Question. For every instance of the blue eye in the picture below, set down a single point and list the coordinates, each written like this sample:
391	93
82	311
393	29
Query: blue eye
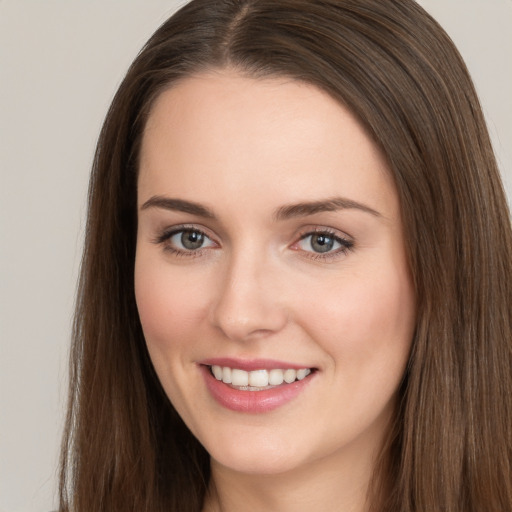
185	240
324	243
189	240
319	242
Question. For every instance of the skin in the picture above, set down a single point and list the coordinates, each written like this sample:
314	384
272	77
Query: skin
244	148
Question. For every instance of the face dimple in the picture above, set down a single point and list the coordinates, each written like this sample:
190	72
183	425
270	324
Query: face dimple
275	236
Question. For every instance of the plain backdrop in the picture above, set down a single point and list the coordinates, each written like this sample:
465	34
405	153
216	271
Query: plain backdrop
60	64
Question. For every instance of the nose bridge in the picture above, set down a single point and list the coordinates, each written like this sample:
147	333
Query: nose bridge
248	303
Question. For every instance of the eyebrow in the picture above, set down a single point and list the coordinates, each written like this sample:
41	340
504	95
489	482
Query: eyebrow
179	205
328	205
285	212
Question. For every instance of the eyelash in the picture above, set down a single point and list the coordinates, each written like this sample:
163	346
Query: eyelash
346	245
165	237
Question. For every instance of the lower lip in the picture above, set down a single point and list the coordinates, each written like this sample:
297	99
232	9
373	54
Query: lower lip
253	401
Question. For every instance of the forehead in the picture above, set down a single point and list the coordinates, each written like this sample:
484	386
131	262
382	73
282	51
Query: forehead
226	131
217	104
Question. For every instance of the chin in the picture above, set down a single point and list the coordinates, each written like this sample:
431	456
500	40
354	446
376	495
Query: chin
263	457
256	464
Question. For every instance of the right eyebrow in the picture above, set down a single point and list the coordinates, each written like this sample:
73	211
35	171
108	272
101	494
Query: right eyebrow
169	203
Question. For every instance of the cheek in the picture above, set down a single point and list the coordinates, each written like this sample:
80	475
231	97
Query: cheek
170	305
366	323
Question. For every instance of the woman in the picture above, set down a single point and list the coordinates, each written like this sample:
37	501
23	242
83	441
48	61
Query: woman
296	283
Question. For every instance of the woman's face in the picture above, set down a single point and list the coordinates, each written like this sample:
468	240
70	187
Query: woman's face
270	252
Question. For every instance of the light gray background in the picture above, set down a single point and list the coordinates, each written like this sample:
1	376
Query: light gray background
60	63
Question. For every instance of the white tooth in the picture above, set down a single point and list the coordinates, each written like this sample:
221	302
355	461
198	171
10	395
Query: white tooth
303	373
275	377
226	375
217	372
258	378
290	375
239	377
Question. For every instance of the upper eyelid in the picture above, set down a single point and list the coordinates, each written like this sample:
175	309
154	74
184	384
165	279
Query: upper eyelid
346	242
329	233
304	232
343	235
172	230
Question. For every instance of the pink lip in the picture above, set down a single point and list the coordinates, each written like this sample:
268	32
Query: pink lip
250	365
252	401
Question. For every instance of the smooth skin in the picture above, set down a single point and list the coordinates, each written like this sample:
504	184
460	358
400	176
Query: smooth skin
245	273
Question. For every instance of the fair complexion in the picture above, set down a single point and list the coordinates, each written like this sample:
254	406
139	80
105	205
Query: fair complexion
269	235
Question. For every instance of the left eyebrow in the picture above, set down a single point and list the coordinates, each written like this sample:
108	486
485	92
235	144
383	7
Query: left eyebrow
329	205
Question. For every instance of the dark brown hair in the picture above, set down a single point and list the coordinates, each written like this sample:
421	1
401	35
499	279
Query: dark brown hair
390	63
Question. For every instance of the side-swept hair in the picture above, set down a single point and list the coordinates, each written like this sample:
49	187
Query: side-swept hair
390	63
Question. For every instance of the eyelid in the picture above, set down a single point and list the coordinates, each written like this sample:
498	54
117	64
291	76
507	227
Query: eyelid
311	230
346	243
167	233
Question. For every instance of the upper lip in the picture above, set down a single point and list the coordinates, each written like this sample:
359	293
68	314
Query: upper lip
252	364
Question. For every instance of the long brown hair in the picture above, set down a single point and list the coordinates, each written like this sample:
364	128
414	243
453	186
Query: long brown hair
391	64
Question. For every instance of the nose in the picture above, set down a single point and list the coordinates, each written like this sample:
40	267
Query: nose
249	304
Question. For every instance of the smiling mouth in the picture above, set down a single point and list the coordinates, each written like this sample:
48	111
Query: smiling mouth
258	380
